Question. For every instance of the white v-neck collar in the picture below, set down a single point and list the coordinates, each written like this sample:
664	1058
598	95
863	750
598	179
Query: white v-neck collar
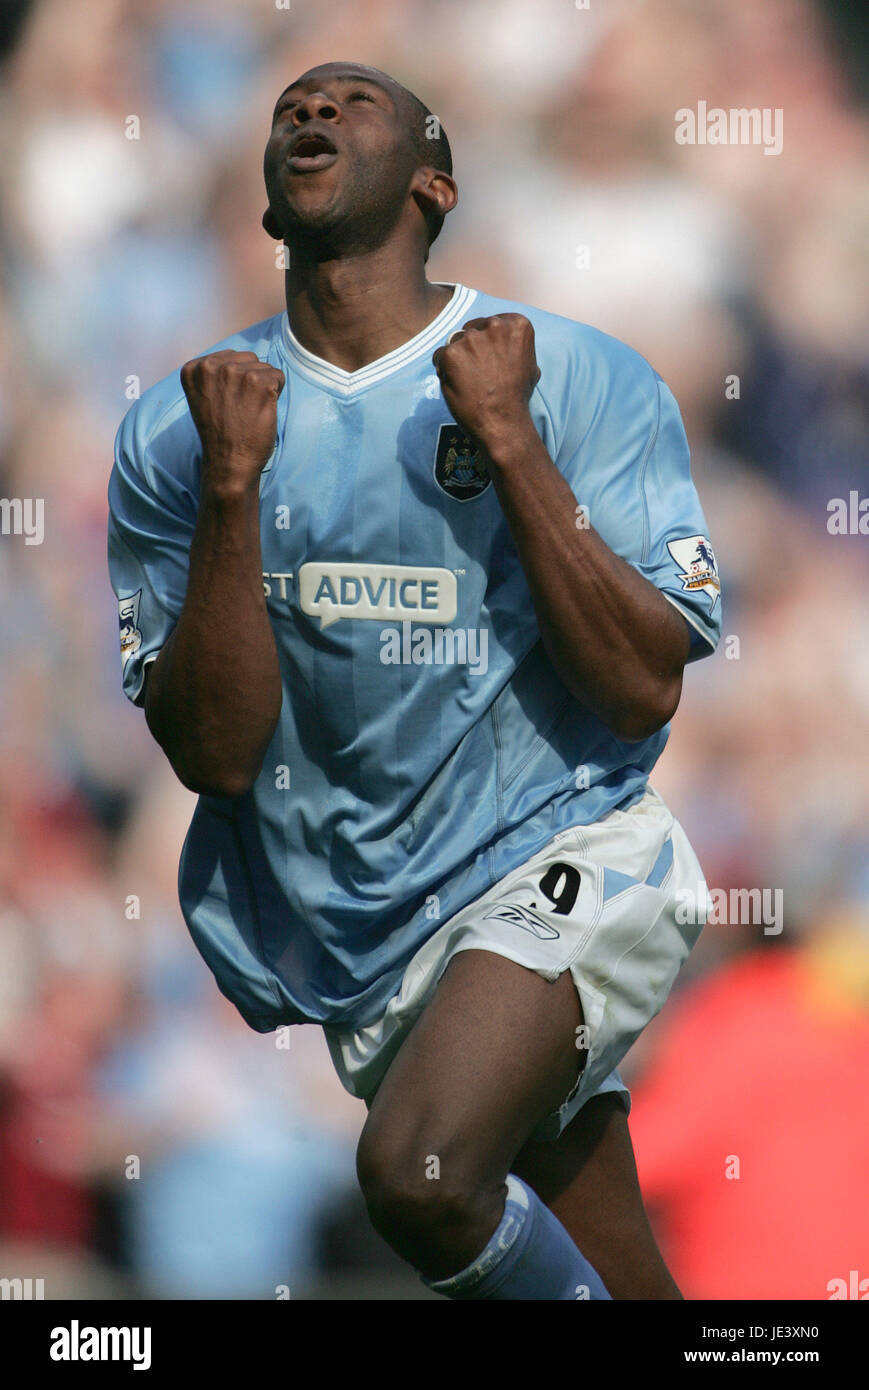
334	378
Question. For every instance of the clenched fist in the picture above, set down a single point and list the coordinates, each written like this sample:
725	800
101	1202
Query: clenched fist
233	398
488	371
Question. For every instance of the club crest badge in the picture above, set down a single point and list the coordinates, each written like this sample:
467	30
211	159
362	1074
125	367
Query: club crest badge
696	559
128	617
459	468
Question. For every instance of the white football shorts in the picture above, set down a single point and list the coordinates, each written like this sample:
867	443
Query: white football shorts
601	901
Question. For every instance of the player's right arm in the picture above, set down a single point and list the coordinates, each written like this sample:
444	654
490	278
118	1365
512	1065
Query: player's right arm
212	697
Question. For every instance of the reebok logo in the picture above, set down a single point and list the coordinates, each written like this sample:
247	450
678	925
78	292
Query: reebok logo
519	916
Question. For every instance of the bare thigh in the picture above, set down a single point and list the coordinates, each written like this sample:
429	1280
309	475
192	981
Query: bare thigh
492	1054
588	1178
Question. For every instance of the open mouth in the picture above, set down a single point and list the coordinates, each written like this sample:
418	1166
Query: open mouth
311	150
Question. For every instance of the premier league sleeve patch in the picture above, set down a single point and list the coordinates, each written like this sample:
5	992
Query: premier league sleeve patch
696	559
459	469
128	616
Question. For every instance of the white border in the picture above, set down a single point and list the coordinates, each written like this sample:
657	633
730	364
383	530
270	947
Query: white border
347	383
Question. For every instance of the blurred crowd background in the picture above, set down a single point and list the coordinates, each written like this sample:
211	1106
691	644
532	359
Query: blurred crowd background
120	259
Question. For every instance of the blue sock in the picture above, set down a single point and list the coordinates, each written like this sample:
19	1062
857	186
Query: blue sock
530	1256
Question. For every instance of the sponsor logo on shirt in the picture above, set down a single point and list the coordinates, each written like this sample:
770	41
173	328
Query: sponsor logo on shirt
330	590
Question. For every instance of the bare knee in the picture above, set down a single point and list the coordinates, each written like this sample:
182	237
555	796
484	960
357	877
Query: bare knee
424	1200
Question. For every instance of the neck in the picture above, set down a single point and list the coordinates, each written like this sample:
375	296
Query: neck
354	310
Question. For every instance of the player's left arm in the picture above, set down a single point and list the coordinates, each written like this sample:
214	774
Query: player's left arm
617	643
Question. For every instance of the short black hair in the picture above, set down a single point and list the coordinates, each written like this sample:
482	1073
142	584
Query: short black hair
432	147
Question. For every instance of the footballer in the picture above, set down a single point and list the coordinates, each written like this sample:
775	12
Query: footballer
407	578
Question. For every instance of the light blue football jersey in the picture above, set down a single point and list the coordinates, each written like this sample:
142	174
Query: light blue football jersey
426	746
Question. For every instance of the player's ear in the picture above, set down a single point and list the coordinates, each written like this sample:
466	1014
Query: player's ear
435	192
271	226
